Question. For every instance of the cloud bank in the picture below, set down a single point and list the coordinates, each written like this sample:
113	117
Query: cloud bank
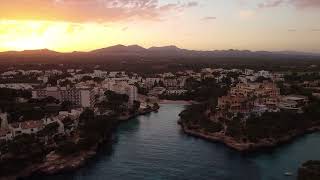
89	10
296	3
209	18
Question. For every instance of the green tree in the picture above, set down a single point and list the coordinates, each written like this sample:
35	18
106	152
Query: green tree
309	170
66	106
135	107
49	130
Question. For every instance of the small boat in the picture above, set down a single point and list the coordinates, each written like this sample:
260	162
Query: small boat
288	173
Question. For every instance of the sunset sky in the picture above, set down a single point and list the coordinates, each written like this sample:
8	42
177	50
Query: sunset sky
83	25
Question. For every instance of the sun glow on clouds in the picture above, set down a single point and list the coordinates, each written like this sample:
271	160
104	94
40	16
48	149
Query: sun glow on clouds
68	25
82	25
60	36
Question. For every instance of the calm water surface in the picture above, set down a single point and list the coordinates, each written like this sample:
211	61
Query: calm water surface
152	147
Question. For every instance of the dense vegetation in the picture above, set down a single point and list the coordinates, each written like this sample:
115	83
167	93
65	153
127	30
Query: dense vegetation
25	150
194	118
92	129
158	64
20	79
310	170
27	109
115	102
202	90
293	88
271	125
301	77
7	94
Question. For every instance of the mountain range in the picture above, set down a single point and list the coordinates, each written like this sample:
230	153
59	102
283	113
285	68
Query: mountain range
165	51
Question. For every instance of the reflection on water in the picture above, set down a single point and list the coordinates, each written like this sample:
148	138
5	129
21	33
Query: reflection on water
152	147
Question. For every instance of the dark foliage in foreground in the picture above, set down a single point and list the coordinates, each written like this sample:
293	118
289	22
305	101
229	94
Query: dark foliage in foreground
309	170
271	125
204	90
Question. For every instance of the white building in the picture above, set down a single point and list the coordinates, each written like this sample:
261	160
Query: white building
156	91
4	120
44	79
176	92
207	70
6	134
22	86
170	82
150	82
10	73
123	88
100	74
27	127
84	97
263	73
248	72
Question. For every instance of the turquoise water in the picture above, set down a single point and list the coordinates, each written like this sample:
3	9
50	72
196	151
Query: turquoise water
152	147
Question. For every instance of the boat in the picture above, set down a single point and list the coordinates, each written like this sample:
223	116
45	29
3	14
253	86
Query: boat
288	173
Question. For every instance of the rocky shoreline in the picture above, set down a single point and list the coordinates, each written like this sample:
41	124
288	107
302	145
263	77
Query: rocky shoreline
183	102
141	112
250	146
55	164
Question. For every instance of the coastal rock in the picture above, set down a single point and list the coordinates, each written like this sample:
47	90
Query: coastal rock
245	146
309	170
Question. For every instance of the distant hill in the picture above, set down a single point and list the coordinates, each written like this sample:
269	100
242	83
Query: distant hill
136	51
175	51
166	48
31	52
120	49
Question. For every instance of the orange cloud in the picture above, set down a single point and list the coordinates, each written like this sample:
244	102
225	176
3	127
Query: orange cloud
88	10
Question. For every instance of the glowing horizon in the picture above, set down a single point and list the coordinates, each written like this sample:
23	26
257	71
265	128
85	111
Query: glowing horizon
73	25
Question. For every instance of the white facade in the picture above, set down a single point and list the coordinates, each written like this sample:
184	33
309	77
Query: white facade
83	97
4	120
27	127
123	88
99	73
6	134
263	73
248	72
22	86
149	82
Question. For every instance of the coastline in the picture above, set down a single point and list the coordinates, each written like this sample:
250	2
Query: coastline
247	147
55	164
140	113
182	102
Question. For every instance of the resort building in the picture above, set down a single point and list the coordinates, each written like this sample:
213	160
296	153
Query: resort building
84	97
123	88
